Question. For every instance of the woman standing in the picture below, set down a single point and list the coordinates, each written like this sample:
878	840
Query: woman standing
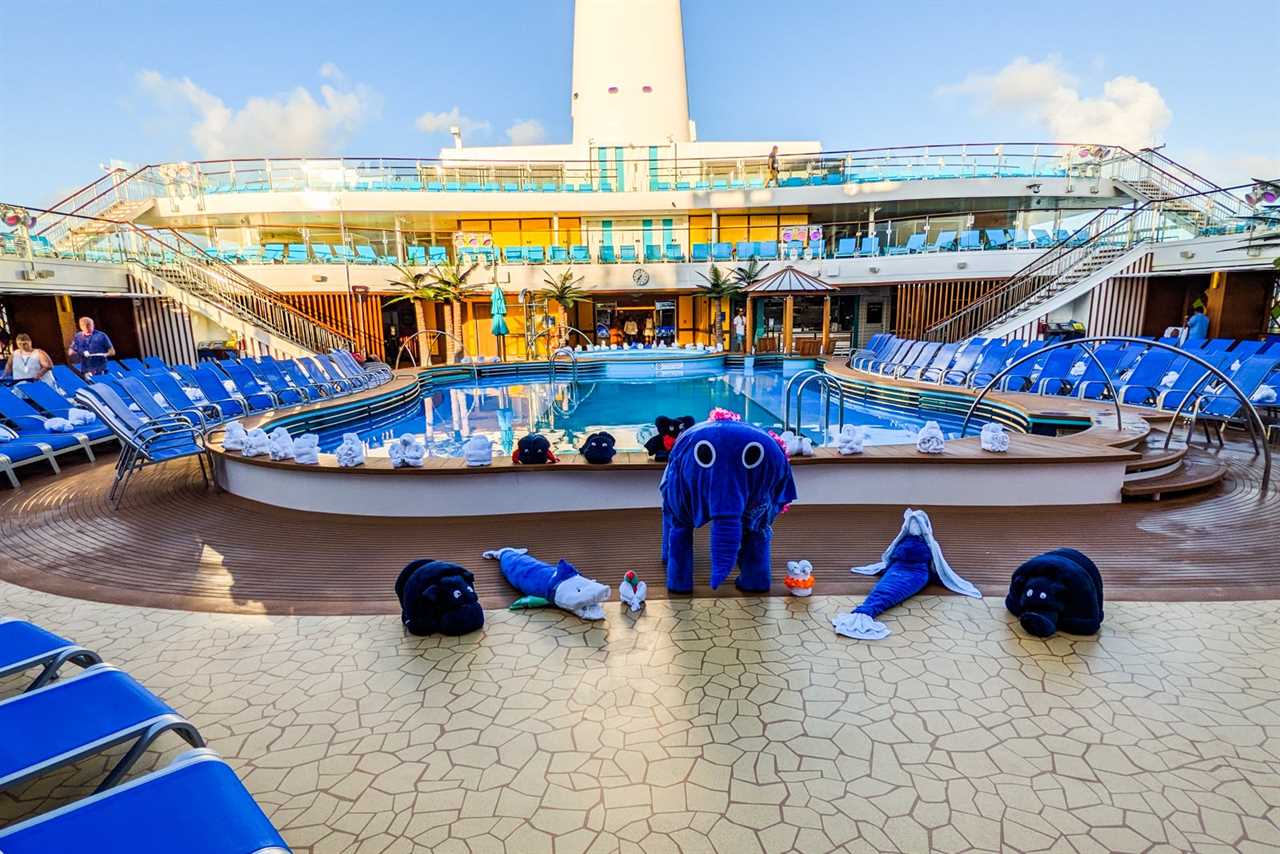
28	363
648	332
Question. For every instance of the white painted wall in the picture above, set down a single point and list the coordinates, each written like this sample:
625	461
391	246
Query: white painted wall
69	277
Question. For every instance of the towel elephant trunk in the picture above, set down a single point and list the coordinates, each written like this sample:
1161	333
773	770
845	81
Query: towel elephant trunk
1040	624
726	540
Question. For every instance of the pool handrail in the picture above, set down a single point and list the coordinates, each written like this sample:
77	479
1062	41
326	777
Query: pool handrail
826	382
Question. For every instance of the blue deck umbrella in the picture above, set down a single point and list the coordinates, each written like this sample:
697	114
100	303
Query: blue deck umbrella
498	307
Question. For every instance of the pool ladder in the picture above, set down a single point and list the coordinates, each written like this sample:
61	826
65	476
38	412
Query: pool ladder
573	361
798	383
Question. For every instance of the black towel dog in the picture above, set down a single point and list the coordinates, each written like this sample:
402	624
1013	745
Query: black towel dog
598	449
533	450
669	429
1059	590
438	598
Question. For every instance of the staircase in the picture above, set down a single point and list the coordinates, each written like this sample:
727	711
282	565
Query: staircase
78	231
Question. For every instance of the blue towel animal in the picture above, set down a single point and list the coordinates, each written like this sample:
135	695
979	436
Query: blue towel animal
561	583
438	597
911	561
1059	590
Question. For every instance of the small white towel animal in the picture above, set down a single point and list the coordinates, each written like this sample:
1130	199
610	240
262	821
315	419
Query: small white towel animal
1264	394
1077	369
351	451
256	443
632	591
930	439
407	452
306	449
1168	379
58	425
994	438
478	451
797	446
233	438
849	440
80	417
281	444
799	580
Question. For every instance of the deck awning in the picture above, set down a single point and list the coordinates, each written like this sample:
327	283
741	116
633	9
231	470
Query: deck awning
789	280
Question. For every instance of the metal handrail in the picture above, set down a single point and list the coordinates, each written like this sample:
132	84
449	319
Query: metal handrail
533	342
433	334
1257	430
573	360
826	382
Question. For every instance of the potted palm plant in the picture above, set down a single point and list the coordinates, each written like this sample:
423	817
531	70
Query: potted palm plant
443	283
563	287
719	287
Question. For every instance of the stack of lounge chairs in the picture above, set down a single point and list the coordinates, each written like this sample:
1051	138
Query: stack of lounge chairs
195	805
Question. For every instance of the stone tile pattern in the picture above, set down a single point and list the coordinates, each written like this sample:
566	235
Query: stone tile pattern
730	725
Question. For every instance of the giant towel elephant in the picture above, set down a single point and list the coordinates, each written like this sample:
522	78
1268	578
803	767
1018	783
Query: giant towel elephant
734	476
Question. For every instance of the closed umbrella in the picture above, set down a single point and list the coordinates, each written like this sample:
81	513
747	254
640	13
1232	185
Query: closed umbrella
498	307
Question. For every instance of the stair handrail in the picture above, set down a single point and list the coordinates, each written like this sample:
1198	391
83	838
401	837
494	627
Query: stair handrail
114	189
1220	204
1141	224
1257	430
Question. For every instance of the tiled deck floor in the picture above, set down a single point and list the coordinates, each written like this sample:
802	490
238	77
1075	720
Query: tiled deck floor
731	725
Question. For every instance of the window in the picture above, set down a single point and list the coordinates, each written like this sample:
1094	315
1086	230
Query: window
875	313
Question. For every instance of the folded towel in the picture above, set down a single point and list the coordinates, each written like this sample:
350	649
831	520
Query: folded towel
407	452
196	395
478	451
80	417
994	438
280	445
234	438
796	445
1264	394
1169	379
930	439
306	449
256	443
229	386
58	425
159	398
7	435
849	439
1077	369
351	451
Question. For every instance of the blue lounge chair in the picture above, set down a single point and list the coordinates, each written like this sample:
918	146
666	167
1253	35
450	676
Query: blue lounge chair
142	395
53	404
892	355
876	347
579	254
846	247
73	718
33	439
922	359
1216	409
69	382
945	242
1245	349
211	383
329	369
870	247
180	400
675	253
535	254
627	253
990	360
817	249
416	255
297	254
901	359
1142	385
970	241
1020	240
933	364
722	252
299	378
513	254
997	238
133	365
700	252
437	254
1092	384
374	372
24	646
1042	239
274	383
963	358
195	805
608	254
1023	376
746	250
259	396
767	250
344	254
273	253
652	254
1056	377
559	255
115	368
915	244
1189	379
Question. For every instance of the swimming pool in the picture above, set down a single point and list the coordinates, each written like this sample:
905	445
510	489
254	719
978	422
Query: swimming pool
566	413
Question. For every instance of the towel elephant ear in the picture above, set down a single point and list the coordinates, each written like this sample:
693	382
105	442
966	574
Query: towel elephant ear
685	422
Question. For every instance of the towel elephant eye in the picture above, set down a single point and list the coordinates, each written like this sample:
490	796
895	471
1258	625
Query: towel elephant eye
705	453
457	594
752	455
1044	595
1029	593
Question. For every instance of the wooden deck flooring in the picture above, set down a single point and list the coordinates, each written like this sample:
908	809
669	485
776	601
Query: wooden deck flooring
175	545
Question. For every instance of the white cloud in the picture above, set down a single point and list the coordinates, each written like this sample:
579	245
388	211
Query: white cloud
526	132
441	122
1129	112
291	123
1231	168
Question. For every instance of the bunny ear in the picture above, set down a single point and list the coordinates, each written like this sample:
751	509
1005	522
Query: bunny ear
793	565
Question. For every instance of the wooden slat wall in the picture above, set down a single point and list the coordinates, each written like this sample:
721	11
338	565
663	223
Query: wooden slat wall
164	327
340	309
920	305
1118	303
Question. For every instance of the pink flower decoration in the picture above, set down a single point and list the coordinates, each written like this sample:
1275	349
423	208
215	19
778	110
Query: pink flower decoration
722	414
781	444
785	508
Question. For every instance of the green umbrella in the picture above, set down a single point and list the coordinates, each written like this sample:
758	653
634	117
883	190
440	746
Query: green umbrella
759	332
498	306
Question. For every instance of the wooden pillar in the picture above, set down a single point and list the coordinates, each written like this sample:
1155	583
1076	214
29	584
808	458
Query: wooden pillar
1215	302
788	316
749	340
826	324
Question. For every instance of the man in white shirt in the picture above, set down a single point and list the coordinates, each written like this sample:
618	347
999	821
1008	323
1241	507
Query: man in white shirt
739	330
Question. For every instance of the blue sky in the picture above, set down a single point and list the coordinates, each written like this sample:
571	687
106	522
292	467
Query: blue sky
150	81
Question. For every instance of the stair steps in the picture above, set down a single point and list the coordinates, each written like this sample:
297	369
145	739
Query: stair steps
1191	476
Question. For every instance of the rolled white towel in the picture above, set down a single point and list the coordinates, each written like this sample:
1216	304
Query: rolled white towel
849	440
1264	394
994	438
860	627
306	449
930	439
351	451
7	435
233	438
80	417
58	425
478	450
407	452
1077	369
196	395
229	386
256	443
1169	379
281	444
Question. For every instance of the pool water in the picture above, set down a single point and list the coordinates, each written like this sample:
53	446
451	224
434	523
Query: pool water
567	413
